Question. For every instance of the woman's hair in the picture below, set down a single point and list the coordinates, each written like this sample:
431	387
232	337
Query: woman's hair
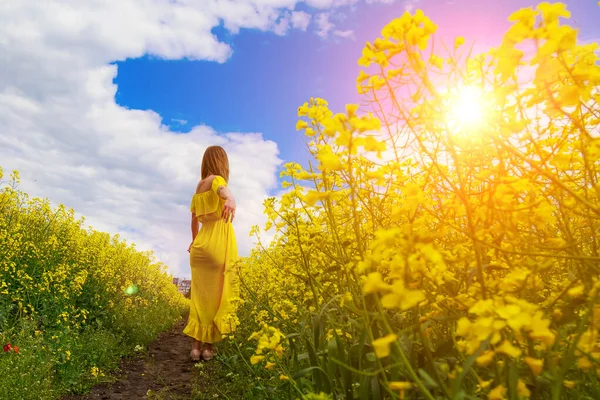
215	162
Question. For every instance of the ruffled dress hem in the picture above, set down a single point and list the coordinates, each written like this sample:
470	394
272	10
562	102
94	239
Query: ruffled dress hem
208	333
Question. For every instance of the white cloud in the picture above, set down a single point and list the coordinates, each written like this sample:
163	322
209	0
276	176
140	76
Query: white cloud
180	121
324	26
282	26
348	34
330	4
409	5
380	1
300	20
126	172
121	168
320	4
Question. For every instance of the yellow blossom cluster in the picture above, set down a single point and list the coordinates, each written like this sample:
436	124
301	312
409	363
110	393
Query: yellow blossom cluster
61	282
424	252
269	345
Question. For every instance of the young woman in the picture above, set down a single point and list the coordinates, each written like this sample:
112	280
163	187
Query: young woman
213	254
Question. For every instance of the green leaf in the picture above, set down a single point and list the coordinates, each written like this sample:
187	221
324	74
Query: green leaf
331	354
365	386
513	377
316	372
314	362
305	371
346	374
427	378
376	388
446	349
371	357
292	335
316	322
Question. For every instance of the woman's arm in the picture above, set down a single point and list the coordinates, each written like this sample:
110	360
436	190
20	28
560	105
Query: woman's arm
229	206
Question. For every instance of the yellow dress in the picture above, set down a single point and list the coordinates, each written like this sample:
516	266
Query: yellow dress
213	257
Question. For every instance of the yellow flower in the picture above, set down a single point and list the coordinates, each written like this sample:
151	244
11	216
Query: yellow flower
301	124
539	329
351	109
375	283
436	61
485	358
576	291
402	297
584	363
507	348
328	159
459	41
362	75
497	393
372	144
551	12
522	390
525	16
256	359
284	377
536	365
482	385
269	365
400	385
569	384
382	345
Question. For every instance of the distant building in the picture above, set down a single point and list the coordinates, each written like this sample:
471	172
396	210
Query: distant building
183	285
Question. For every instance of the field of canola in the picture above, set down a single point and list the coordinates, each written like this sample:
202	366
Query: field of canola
72	301
445	245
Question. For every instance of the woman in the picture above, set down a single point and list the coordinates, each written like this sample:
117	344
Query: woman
213	254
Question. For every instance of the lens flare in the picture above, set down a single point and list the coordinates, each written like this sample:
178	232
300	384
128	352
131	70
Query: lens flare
131	290
466	108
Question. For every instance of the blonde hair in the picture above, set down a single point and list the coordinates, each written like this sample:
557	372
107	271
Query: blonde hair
215	162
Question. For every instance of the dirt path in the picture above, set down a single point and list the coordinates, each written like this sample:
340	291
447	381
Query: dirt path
166	371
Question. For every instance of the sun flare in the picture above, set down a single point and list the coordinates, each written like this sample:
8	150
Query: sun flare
466	108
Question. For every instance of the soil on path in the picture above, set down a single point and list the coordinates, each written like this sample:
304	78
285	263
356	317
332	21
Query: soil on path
166	370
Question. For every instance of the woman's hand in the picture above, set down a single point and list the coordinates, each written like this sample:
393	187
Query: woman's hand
229	209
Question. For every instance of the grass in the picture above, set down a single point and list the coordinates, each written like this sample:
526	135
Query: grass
48	366
225	378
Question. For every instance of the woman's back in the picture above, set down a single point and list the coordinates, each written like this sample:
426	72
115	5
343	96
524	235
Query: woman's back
206	204
213	255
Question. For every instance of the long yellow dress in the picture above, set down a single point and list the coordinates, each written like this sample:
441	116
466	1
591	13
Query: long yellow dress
213	258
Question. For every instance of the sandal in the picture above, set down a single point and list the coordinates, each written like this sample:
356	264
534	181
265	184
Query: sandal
195	355
208	354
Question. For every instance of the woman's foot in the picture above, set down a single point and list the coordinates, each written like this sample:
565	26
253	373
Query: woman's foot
208	352
196	352
195	355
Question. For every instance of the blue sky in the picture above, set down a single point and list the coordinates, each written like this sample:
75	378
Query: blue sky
259	88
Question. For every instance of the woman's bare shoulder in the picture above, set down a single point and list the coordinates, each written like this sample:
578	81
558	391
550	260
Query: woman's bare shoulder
205	184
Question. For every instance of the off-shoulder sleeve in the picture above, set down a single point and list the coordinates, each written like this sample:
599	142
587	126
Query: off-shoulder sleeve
193	205
217	182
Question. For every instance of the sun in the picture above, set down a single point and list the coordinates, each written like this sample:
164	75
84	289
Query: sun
466	108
